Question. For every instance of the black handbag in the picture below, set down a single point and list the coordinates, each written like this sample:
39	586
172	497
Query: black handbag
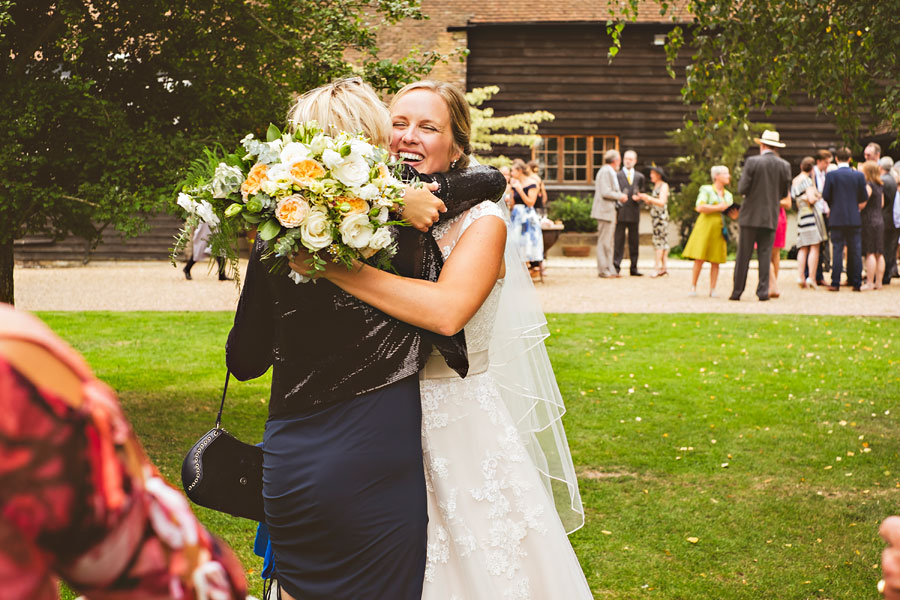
223	473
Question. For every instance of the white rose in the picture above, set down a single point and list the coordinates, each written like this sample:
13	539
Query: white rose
187	203
384	202
315	232
293	152
382	216
356	231
352	172
368	192
361	148
331	158
278	178
381	239
205	211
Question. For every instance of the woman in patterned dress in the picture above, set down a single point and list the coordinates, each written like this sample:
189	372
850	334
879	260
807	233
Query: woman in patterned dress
658	199
810	224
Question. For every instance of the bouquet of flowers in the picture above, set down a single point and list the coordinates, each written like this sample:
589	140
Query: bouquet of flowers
328	194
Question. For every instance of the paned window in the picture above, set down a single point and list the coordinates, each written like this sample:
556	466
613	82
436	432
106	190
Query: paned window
572	158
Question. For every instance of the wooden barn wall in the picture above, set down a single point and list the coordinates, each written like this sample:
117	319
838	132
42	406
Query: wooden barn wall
564	69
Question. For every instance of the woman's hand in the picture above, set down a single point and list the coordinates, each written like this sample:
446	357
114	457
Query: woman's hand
421	208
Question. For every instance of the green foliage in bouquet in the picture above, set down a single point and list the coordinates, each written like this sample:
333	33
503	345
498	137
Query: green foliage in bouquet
301	190
574	212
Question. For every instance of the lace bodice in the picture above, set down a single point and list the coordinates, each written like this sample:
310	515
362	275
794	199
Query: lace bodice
480	327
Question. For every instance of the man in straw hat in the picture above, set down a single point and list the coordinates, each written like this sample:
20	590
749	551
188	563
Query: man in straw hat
765	181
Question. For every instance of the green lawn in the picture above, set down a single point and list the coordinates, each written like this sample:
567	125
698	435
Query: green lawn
720	456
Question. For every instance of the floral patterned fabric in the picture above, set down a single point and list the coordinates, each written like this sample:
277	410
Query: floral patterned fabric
80	500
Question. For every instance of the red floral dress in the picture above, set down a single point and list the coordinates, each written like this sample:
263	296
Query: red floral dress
80	500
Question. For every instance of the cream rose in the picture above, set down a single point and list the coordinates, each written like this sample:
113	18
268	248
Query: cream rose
294	152
331	158
315	232
356	231
353	172
292	210
380	239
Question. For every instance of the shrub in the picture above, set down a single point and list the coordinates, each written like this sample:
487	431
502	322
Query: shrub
574	212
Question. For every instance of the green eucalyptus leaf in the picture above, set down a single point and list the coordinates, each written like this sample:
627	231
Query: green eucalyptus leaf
269	229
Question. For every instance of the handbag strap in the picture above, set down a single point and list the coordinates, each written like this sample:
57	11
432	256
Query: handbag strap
222	405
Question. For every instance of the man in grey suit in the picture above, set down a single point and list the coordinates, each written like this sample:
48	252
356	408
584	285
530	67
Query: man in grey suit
606	195
765	181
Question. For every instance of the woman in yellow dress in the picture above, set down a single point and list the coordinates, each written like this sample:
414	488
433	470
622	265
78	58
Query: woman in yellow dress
706	243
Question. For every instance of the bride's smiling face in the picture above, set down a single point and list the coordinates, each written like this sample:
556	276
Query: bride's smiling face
422	133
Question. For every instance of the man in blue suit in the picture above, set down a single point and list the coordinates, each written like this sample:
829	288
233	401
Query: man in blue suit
845	193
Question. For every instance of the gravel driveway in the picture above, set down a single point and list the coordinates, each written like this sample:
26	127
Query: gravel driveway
570	285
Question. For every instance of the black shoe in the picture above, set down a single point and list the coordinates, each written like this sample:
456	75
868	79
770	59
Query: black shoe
223	277
763	298
735	298
187	273
636	274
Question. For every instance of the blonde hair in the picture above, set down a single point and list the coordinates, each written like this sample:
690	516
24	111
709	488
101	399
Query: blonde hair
460	121
348	104
872	172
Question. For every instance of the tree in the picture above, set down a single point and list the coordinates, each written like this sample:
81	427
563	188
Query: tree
106	99
752	54
512	130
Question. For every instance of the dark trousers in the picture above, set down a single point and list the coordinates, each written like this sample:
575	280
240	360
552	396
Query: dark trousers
891	237
763	237
849	237
619	245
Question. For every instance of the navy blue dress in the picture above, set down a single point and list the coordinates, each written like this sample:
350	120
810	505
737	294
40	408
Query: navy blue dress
343	479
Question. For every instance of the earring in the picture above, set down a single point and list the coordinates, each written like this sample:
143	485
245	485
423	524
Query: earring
453	164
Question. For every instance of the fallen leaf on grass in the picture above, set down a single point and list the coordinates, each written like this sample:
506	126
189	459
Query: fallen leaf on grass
693	540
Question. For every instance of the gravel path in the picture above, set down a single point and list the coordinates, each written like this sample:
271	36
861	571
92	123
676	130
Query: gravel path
570	285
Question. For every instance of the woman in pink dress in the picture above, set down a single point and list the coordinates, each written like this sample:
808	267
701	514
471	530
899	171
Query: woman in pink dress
780	235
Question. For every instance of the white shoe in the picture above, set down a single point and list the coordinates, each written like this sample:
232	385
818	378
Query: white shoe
693	292
712	294
811	283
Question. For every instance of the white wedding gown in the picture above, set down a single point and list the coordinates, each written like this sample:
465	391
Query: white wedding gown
493	530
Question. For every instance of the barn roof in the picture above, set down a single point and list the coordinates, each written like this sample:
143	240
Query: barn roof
567	11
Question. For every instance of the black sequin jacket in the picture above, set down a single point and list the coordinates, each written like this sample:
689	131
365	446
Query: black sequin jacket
325	345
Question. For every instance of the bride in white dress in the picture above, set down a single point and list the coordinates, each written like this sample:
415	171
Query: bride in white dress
502	492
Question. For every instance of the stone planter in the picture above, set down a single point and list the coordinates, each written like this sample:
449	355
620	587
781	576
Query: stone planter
581	251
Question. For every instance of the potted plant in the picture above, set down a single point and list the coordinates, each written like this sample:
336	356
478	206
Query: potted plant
575	214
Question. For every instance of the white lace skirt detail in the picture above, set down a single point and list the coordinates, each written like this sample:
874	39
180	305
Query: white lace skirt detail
493	533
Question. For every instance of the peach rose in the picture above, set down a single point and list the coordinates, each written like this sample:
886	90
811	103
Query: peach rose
357	205
254	180
306	171
292	210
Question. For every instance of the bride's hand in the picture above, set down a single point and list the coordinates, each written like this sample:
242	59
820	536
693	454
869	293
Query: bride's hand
421	208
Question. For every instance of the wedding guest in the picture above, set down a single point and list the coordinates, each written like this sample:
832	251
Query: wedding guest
778	245
200	250
810	224
889	586
526	224
873	227
891	228
845	193
707	241
507	194
607	195
628	215
79	499
765	182
658	199
534	170
823	165
872	152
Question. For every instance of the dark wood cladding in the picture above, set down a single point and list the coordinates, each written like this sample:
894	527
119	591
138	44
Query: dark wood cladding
564	69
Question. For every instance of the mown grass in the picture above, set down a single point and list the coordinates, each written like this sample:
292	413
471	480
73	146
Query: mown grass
719	456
